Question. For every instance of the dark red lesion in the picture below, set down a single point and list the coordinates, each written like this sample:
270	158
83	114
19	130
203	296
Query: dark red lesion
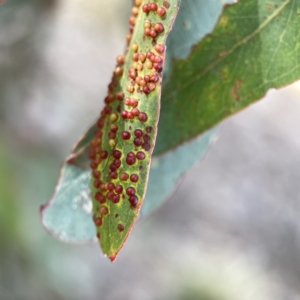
120	227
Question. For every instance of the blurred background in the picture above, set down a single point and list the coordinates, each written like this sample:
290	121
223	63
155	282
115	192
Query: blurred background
230	232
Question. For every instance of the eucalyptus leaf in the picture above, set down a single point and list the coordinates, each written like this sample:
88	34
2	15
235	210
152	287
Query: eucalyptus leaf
254	47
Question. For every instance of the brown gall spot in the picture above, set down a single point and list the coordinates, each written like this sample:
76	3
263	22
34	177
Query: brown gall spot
159	48
132	20
153	6
135	57
148	129
135	111
113	175
161	11
130	191
112	135
96	174
147	31
159	27
103	210
126	135
120	59
149	54
130	160
153	34
133	200
137	142
98	221
114	128
119	189
140	155
120	96
128	37
117	154
120	227
110	186
166	4
124	114
100	198
97	183
92	154
146	90
146	145
124	176
117	163
115	198
103	154
143	117
146	8
138	133
134	178
119	71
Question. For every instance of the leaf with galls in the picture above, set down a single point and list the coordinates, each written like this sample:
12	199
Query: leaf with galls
121	149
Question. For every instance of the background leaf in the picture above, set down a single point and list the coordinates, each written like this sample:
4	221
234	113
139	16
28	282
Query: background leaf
253	48
68	216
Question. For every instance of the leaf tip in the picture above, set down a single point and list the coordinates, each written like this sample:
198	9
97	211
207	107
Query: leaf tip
113	257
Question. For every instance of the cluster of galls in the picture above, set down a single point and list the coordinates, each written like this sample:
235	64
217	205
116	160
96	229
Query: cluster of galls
109	191
153	7
106	188
152	62
153	30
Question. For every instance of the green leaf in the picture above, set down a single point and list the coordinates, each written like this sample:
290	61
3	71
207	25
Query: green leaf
254	47
68	215
124	140
201	15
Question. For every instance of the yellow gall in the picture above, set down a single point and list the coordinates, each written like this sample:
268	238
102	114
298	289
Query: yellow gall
142	82
135	65
149	64
113	117
134	47
135	11
140	67
112	143
130	88
138	79
138	2
147	24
